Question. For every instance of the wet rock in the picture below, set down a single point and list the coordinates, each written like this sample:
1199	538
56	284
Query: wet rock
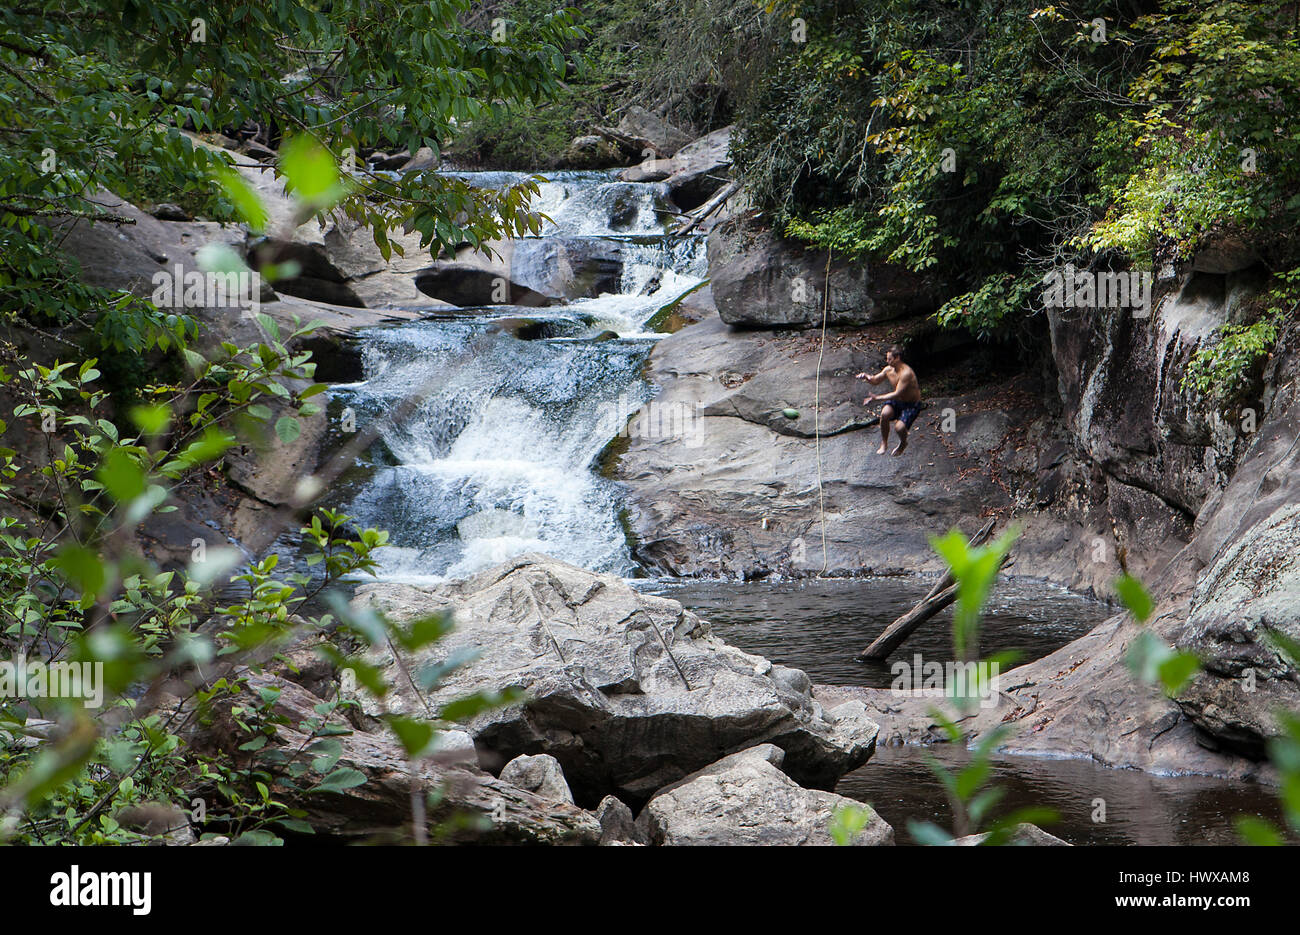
1025	835
605	699
745	799
693	173
384	162
540	774
468	285
700	168
529	272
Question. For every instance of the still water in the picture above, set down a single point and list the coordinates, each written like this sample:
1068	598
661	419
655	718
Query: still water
820	625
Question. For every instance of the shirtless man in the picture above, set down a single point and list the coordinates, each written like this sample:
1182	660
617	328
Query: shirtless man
902	405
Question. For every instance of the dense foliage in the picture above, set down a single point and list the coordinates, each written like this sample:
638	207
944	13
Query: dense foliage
689	61
988	141
114	96
104	95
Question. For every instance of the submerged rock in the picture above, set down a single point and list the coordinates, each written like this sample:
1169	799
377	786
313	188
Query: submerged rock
1025	835
620	712
745	799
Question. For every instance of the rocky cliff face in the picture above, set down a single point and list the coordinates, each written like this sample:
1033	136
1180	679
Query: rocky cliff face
1105	460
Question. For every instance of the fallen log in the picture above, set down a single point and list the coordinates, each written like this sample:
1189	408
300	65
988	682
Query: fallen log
905	625
947	579
710	206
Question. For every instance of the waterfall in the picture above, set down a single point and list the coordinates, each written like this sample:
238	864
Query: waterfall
498	455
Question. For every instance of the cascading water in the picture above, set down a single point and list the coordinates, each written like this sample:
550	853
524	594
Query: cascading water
497	457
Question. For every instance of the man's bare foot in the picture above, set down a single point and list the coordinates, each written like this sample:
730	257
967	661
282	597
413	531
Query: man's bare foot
882	449
902	446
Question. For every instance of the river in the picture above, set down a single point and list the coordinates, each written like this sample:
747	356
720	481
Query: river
499	458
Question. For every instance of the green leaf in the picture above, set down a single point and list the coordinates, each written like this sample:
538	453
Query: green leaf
1176	671
1255	830
312	172
927	833
247	204
152	420
415	735
341	780
463	709
288	429
296	825
1134	596
847	822
122	476
84	569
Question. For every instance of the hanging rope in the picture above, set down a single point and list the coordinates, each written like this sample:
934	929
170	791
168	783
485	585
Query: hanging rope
817	409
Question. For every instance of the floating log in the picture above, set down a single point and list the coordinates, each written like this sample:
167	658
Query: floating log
902	628
941	595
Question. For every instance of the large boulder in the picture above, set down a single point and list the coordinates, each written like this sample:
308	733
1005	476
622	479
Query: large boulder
700	168
468	285
530	272
1249	537
732	490
694	173
649	130
540	774
745	799
627	691
763	281
1220	597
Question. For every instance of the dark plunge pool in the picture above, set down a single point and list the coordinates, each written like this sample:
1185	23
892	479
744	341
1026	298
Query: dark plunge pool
820	625
1138	808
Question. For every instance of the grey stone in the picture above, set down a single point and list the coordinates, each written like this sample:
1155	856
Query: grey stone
539	773
1025	835
745	799
651	131
760	280
506	813
603	696
693	173
617	823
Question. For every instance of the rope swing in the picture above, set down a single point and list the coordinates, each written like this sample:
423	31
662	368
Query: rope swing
817	410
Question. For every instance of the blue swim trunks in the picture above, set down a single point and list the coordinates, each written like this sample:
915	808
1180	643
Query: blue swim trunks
904	412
